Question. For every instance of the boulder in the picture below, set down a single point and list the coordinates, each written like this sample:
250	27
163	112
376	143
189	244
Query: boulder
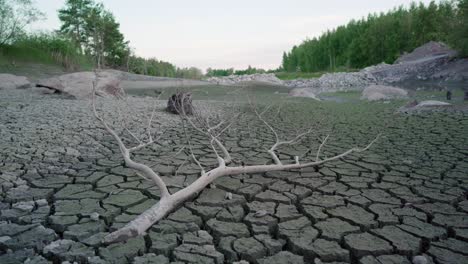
382	92
427	50
430	103
10	81
80	84
303	92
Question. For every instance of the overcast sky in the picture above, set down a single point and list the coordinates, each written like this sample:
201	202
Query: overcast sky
224	34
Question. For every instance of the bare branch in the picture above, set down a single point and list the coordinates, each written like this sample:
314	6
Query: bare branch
145	170
169	202
320	148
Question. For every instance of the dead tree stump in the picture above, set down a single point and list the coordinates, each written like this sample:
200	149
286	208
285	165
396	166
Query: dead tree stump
180	103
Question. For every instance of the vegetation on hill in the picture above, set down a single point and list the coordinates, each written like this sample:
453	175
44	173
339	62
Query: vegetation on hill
89	37
381	37
231	71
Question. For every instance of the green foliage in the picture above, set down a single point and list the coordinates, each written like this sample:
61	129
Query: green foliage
460	32
189	73
378	38
46	49
74	17
96	31
227	72
219	72
15	15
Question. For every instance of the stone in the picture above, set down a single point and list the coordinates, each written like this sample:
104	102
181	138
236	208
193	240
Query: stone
420	260
68	250
327	201
221	229
315	213
283	257
273	246
151	258
60	222
385	259
446	256
249	249
299	235
84	229
162	244
335	229
169	226
216	197
36	237
356	215
381	92
329	251
271	196
125	198
286	212
200	237
364	244
198	254
122	252
422	229
225	247
303	92
184	215
454	245
16	256
404	243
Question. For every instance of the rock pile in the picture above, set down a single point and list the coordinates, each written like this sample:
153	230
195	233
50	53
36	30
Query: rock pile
267	78
339	80
303	92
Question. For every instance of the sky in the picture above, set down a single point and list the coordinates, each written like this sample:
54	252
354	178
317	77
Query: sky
224	34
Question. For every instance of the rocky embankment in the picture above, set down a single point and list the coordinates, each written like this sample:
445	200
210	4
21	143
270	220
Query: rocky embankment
433	61
266	78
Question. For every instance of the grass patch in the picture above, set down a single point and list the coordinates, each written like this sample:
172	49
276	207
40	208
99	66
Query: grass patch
48	49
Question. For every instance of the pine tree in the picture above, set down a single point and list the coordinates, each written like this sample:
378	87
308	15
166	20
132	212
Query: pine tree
73	17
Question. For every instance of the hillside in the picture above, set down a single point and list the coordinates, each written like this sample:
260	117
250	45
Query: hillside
381	38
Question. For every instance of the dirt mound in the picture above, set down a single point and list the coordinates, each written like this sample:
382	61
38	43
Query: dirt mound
428	50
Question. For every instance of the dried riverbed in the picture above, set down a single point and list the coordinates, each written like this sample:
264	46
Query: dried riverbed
64	187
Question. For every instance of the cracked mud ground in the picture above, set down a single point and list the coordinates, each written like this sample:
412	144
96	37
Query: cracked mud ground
64	187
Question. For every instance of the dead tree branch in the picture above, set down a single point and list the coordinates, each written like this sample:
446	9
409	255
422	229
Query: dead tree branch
169	202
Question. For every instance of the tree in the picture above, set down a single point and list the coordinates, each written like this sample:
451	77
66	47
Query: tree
95	31
380	37
15	15
460	33
212	128
73	17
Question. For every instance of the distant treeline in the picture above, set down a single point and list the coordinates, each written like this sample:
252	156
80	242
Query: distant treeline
227	72
382	37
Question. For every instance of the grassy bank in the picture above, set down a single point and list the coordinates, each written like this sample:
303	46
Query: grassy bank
47	49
